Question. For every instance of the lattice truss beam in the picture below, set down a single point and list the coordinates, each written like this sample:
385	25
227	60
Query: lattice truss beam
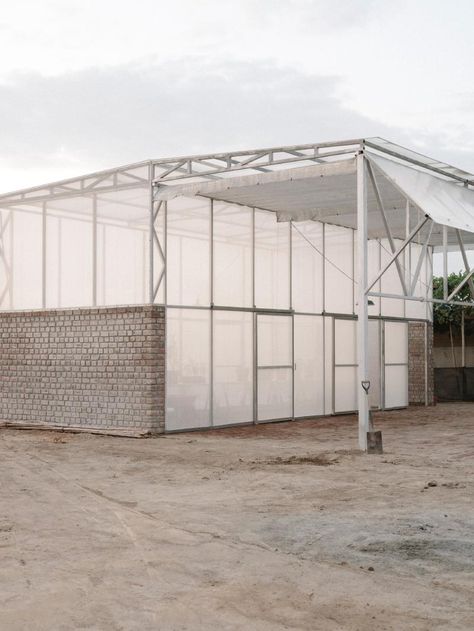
213	166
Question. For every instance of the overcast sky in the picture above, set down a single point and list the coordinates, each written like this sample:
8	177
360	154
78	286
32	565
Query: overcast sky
89	84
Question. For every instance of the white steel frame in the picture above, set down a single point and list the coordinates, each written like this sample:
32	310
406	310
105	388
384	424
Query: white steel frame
223	165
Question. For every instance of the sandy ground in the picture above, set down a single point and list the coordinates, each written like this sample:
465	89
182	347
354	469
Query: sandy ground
282	526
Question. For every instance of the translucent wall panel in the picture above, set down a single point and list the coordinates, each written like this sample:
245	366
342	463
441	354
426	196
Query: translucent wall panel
396	386
6	298
345	342
69	265
23	254
272	261
328	366
232	236
122	265
188	251
309	365
339	271
429	283
396	364
274	394
188	368
374	363
373	266
159	254
274	367
307	266
390	282
412	255
396	343
122	246
346	391
232	367
345	365
274	340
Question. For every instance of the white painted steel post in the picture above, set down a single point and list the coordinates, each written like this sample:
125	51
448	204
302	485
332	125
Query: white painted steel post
43	256
94	251
362	303
151	229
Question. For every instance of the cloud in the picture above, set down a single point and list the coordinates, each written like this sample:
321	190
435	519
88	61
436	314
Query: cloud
105	117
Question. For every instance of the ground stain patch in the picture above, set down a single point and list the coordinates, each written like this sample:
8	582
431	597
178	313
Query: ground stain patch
319	460
454	554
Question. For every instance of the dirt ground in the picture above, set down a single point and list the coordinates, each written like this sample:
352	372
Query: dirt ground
282	526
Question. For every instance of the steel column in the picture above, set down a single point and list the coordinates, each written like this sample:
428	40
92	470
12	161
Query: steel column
43	257
94	251
151	228
362	306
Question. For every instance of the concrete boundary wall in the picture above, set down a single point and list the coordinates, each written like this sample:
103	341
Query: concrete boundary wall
92	369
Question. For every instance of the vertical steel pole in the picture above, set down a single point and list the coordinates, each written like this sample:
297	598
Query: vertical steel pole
426	363
151	230
211	314
43	258
362	307
94	251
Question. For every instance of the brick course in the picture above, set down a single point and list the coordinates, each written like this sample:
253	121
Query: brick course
97	369
417	378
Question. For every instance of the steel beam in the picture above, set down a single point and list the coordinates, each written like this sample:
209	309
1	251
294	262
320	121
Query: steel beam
362	307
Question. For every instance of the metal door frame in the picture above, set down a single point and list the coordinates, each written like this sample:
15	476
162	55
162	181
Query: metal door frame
277	313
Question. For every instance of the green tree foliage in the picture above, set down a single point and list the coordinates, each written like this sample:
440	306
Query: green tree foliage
449	316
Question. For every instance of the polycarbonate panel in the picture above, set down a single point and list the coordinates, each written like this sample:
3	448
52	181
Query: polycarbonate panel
328	366
23	254
69	259
126	205
396	342
6	298
307	266
345	399
122	265
274	393
390	282
232	242
412	255
188	363
123	218
232	367
373	267
159	254
429	283
374	362
188	251
274	340
272	261
309	365
339	272
396	386
345	341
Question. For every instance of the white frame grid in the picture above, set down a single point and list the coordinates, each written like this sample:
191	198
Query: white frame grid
152	175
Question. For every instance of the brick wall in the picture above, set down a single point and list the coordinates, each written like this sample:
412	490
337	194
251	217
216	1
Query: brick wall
98	369
418	334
